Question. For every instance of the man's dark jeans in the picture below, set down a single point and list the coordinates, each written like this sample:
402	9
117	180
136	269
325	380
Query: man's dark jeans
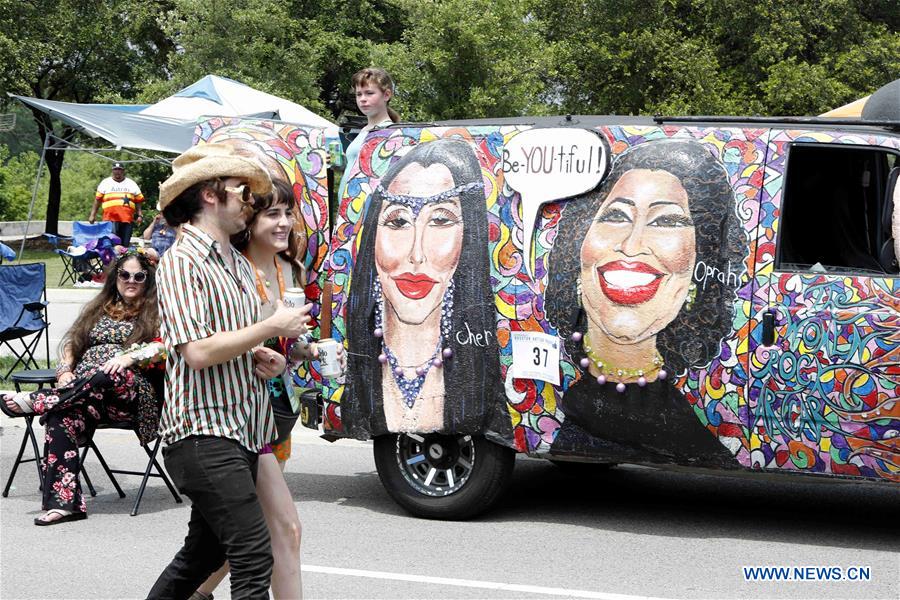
219	476
123	230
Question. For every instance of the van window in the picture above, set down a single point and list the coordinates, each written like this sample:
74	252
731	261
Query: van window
837	214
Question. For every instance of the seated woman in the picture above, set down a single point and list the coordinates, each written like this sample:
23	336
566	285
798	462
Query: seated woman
100	379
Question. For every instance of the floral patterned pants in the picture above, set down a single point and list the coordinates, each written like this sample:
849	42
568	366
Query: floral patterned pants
70	415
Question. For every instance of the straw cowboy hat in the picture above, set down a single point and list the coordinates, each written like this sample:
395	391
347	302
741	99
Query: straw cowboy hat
209	161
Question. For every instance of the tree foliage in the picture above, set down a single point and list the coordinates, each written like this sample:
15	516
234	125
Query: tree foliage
467	59
718	56
77	51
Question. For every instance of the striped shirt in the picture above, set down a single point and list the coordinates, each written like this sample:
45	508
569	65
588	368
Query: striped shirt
199	296
118	199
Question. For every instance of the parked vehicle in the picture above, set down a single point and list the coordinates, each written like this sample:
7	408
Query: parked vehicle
697	292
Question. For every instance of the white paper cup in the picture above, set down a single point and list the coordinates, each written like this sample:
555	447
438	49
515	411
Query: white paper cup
329	365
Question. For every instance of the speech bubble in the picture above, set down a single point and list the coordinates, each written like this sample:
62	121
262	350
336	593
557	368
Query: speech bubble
545	165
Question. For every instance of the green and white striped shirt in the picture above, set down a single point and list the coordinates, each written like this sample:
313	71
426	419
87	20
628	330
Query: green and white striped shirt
199	296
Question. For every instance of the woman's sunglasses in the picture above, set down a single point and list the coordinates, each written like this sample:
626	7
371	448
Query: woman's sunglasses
242	191
137	277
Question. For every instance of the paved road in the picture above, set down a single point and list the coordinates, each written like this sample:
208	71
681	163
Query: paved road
631	531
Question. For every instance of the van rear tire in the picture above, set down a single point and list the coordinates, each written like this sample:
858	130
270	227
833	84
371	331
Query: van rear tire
448	477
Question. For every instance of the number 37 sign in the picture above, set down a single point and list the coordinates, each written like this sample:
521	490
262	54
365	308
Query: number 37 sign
535	356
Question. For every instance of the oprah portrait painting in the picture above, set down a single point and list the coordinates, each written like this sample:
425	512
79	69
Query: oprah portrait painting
623	295
422	275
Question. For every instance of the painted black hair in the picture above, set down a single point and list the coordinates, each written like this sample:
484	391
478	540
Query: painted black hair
474	399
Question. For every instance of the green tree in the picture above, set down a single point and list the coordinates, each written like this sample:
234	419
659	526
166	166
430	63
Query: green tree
717	56
467	59
78	51
257	42
302	50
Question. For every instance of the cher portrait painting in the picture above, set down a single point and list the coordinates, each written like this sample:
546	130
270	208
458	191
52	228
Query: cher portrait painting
422	276
623	294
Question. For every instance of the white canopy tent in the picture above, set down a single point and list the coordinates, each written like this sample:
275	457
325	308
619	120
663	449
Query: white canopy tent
168	125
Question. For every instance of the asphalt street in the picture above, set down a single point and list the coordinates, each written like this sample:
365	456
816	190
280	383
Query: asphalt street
627	533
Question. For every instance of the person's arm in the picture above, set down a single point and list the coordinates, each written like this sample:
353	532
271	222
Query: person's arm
97	200
65	367
223	346
148	232
138	203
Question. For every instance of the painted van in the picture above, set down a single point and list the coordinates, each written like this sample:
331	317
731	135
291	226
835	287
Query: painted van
671	292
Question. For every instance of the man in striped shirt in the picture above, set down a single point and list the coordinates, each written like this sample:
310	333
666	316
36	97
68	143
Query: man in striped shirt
217	415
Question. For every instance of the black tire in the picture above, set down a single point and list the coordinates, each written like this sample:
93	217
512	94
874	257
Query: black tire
448	477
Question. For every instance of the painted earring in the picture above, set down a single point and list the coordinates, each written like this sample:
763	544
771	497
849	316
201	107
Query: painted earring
578	290
691	296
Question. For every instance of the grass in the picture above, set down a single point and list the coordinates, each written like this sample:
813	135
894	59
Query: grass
7	361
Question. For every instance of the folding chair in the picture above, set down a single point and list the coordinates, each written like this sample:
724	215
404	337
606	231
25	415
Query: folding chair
41	377
77	259
23	312
6	253
152	463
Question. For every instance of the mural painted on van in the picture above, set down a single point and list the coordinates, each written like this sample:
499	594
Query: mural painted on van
654	282
296	155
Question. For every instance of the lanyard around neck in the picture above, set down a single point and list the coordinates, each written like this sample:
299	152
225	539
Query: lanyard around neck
260	288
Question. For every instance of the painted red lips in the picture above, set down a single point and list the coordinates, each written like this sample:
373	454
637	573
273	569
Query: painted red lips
626	282
414	287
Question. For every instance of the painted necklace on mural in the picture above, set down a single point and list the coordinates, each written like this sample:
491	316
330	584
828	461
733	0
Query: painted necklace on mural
411	387
654	370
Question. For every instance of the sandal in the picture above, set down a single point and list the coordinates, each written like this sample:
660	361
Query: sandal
21	400
65	516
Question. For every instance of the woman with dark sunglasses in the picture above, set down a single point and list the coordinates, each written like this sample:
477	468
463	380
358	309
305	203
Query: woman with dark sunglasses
103	376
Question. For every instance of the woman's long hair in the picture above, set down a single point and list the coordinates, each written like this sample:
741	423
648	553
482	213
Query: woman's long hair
143	313
473	401
693	337
379	78
281	194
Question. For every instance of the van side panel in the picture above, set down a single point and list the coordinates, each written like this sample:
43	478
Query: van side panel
823	398
695	413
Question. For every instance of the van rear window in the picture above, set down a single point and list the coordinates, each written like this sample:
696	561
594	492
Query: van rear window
837	212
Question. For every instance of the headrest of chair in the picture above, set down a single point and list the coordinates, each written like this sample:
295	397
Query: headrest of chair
887	208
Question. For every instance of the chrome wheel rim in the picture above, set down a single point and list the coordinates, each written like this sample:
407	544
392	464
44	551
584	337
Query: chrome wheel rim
433	464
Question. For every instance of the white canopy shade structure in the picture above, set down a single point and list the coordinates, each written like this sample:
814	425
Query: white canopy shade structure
121	125
215	96
168	125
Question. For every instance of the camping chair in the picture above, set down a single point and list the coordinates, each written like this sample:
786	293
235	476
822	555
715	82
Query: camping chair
154	469
23	312
41	377
77	259
6	253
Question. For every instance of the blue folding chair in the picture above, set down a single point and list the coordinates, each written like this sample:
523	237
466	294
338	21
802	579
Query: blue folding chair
86	262
6	253
23	313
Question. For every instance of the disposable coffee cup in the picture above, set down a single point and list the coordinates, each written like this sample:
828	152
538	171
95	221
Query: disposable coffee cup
294	297
329	365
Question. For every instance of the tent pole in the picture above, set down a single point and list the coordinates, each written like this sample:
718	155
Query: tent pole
37	183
